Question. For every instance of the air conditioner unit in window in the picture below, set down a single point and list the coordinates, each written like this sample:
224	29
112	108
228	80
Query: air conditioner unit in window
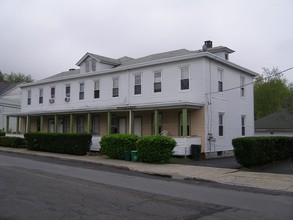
67	99
51	100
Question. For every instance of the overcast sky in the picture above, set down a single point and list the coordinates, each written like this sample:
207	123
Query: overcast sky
45	37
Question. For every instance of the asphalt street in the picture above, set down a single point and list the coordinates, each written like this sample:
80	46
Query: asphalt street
36	188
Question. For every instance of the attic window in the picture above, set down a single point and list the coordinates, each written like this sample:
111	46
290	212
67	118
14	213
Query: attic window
87	66
226	56
93	65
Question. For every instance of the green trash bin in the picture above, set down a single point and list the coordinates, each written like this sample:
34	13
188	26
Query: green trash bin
127	155
195	151
134	156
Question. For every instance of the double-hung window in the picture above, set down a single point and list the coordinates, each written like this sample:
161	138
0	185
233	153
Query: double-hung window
97	89
41	95
137	84
242	83
81	91
87	66
221	124
220	80
29	97
243	125
157	81
52	93
115	91
67	91
184	83
94	65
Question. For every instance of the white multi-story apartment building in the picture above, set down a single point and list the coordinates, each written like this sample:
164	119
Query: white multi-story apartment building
196	97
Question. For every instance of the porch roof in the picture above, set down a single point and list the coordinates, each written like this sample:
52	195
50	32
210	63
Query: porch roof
139	107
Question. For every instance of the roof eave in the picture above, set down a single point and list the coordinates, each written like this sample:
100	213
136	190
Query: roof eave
149	63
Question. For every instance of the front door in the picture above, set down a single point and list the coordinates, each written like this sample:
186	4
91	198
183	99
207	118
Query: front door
122	125
51	125
137	126
60	125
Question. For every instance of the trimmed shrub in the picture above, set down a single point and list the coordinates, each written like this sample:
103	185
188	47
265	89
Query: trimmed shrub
155	148
2	133
76	144
15	142
254	151
114	145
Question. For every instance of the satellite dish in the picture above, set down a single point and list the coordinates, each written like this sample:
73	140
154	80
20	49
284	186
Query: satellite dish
204	47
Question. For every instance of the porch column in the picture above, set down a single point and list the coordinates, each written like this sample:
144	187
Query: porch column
131	122
109	122
28	124
184	122
156	121
7	123
89	123
70	123
55	123
17	125
41	123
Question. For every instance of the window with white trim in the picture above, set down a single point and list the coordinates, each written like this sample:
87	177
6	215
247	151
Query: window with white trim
29	97
52	92
157	81
184	82
81	91
67	91
242	83
220	80
221	124
41	95
87	66
97	89
137	84
115	92
94	62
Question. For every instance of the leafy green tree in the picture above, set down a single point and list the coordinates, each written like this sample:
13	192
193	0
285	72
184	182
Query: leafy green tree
16	77
1	76
271	93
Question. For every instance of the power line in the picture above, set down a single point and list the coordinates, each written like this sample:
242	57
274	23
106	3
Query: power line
241	86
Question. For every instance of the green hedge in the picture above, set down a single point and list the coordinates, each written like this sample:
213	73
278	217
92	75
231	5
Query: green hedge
254	151
155	148
16	142
2	133
77	144
114	145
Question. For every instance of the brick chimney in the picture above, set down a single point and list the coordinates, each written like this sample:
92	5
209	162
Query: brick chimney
208	44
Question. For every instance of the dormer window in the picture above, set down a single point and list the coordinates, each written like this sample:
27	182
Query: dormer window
87	66
93	65
226	56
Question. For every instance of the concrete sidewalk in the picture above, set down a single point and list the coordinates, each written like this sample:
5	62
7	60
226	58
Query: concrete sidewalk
270	181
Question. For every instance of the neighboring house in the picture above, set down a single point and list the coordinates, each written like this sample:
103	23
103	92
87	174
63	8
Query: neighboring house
196	97
9	103
276	124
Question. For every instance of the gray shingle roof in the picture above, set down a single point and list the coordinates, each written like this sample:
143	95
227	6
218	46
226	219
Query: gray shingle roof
277	120
158	56
6	86
63	74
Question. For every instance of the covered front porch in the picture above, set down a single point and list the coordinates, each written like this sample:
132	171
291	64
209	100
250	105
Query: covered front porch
184	123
